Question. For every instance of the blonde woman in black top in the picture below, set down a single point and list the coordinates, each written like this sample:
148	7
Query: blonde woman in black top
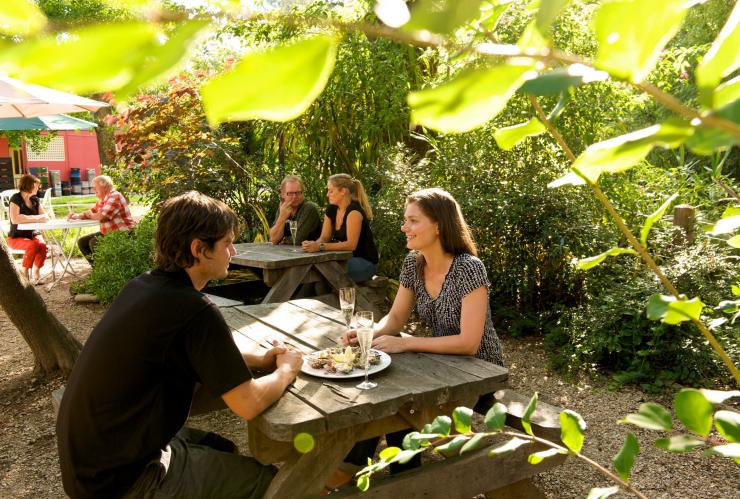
347	226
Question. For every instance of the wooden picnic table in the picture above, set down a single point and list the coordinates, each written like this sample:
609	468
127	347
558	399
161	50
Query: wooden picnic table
411	392
285	267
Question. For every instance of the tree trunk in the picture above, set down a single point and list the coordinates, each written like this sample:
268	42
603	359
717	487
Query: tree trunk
53	346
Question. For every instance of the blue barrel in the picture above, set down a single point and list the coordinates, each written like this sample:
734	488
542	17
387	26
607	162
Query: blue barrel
75	181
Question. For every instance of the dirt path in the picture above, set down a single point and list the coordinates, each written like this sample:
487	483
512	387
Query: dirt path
28	456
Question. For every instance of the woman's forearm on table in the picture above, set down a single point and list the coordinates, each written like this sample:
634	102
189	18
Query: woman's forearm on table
453	345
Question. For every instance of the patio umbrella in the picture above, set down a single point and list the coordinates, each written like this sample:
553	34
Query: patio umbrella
53	122
19	100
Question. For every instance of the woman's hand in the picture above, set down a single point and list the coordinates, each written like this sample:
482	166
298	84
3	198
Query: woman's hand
310	246
349	338
389	344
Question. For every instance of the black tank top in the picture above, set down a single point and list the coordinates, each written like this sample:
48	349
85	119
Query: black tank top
365	245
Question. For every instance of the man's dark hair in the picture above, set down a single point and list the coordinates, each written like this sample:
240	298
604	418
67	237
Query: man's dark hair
187	217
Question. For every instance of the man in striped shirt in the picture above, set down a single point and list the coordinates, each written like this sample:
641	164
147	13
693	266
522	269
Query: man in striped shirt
111	210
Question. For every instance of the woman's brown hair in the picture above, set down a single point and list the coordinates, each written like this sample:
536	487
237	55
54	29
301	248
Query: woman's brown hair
356	191
187	217
26	183
442	209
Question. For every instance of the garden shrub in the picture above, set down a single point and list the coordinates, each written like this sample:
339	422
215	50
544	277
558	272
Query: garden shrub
119	257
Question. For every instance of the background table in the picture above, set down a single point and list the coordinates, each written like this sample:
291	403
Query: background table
414	389
284	269
68	228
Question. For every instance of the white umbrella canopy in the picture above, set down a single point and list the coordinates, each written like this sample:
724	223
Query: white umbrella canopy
24	100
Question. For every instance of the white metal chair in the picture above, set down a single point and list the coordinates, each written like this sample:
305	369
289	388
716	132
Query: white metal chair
5	217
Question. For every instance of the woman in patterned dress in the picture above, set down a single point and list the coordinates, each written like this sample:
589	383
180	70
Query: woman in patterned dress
447	283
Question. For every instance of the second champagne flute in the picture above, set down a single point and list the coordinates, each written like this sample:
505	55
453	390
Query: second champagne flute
347	304
293	225
365	339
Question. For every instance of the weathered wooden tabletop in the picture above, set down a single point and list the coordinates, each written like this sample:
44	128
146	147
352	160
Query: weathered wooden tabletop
414	389
284	268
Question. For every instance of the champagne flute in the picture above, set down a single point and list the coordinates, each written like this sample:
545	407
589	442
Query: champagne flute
365	340
293	225
347	304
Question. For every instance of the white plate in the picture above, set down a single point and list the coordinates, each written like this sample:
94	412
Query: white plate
385	361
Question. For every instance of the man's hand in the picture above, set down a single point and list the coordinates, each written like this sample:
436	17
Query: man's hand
285	210
268	360
291	360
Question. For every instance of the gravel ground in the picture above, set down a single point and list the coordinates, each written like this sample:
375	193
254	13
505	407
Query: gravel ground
28	456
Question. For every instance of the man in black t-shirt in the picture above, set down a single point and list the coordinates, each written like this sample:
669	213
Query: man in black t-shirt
120	426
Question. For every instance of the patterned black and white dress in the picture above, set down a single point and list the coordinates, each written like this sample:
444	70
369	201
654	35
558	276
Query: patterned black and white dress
442	314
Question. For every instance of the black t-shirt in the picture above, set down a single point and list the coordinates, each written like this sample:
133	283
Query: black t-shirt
131	388
365	245
24	210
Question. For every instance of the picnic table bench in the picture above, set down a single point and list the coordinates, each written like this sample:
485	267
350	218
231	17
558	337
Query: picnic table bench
411	392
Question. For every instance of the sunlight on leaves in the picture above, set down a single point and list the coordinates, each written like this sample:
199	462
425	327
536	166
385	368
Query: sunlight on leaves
678	443
625	459
593	261
508	447
727	92
654	217
560	79
572	427
21	17
441	425
363	482
726	450
468	100
547	13
602	492
463	419
473	443
694	411
507	138
393	13
707	140
442	16
722	58
728	425
632	34
388	453
276	84
452	448
91	69
527	416
496	416
651	416
719	396
672	310
734	241
538	457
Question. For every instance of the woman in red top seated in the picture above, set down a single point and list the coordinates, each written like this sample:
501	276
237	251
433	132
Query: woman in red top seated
25	207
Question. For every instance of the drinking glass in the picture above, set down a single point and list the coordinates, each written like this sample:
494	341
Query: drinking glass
365	340
293	225
347	304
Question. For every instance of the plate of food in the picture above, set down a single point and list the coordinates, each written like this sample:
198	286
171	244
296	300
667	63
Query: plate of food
343	363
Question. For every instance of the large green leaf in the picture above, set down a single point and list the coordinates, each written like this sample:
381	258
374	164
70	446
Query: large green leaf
452	448
593	261
707	140
163	58
510	136
654	217
727	92
277	84
625	459
651	416
727	450
21	17
694	411
728	425
558	80
632	34
441	425
462	417
679	443
48	60
721	60
442	16
473	443
602	492
672	310
547	13
496	416
469	100
528	411
622	153
572	427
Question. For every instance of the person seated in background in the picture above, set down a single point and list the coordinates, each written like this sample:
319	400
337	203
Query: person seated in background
25	207
347	226
294	207
120	427
111	210
444	279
